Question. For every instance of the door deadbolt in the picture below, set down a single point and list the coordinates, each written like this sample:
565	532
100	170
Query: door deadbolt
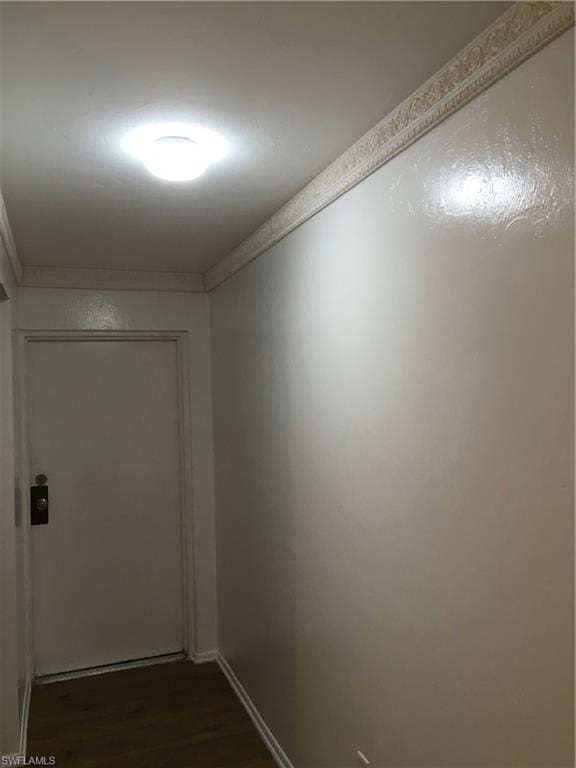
39	505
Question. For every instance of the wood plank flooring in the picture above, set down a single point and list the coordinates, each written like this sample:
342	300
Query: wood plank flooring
173	715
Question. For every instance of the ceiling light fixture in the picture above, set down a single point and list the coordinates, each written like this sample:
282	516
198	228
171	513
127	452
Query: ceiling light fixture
175	151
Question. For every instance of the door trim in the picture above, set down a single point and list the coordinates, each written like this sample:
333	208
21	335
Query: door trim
189	580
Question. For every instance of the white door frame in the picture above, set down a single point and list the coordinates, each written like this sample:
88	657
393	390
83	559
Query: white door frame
11	714
189	580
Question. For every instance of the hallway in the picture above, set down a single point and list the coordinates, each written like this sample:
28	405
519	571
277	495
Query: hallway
177	714
287	384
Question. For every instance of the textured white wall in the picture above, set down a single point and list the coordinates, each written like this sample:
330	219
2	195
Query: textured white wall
65	309
394	454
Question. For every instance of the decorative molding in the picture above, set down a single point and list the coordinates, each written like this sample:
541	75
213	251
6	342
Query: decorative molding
111	279
280	757
7	239
515	35
203	657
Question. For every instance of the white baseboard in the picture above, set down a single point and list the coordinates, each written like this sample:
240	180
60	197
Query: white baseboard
24	717
203	656
280	757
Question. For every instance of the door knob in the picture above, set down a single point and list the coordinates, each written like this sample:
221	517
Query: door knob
39	505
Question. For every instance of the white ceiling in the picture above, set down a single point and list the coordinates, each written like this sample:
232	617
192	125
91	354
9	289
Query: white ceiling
290	85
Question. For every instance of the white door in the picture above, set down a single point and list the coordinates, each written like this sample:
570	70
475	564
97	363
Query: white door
107	568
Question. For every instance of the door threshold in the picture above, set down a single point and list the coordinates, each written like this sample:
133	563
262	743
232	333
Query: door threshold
89	671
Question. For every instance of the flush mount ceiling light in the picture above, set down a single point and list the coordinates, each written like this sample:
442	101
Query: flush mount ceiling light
175	151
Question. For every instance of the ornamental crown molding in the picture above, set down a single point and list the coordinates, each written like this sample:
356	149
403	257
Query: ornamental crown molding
512	38
111	279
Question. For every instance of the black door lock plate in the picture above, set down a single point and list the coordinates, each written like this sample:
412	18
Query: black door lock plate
39	505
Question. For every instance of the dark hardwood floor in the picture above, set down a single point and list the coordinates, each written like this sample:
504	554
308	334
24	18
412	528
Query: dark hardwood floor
173	715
